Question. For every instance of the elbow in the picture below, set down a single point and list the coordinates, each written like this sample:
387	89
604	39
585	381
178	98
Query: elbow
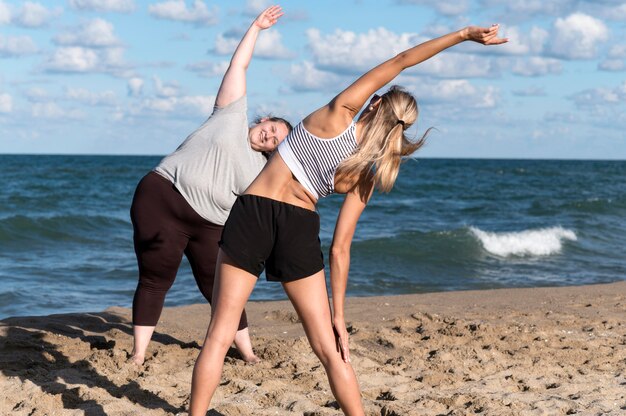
401	60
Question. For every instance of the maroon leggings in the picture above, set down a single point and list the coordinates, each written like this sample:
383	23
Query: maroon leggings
165	226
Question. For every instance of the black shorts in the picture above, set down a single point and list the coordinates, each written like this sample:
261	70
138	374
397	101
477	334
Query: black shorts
262	233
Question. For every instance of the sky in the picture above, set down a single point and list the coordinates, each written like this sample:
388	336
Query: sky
136	77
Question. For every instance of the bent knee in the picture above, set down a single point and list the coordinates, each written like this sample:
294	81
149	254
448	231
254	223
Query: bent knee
326	352
219	342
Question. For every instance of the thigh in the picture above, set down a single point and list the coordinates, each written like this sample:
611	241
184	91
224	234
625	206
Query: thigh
309	297
158	237
231	291
201	252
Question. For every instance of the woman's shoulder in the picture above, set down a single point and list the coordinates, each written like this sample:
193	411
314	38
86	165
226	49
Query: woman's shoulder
327	122
238	106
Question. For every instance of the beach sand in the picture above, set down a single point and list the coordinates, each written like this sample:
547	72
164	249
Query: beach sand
540	351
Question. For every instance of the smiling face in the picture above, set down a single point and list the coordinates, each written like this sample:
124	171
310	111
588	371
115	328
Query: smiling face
267	135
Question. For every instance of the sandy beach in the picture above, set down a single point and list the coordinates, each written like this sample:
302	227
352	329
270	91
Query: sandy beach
540	351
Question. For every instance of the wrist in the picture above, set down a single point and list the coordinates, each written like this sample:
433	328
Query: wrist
464	33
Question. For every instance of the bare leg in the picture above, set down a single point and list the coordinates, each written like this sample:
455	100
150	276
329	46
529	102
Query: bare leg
244	346
202	251
231	291
310	299
142	336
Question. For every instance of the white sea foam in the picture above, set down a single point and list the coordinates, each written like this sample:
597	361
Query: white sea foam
539	242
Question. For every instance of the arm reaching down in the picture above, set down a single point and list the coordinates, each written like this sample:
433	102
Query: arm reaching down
351	210
233	84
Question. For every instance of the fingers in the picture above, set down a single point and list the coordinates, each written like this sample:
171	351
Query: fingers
345	349
274	12
341	340
489	35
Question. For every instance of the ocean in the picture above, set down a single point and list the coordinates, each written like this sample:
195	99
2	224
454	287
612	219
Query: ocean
449	224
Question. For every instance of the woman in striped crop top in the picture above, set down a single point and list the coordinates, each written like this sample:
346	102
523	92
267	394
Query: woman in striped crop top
273	226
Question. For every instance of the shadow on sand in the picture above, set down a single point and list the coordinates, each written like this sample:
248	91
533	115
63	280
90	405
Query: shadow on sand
25	354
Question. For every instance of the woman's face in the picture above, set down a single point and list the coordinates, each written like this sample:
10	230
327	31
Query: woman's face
267	135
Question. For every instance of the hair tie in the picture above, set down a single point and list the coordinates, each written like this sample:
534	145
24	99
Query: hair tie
401	122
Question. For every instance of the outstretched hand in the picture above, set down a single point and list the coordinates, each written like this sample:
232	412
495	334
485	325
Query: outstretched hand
268	17
484	35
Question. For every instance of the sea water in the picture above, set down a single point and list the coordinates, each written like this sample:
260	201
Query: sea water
449	224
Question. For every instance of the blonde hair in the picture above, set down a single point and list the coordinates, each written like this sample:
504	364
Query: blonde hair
383	142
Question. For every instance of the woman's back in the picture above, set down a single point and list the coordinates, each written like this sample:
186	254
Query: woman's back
328	130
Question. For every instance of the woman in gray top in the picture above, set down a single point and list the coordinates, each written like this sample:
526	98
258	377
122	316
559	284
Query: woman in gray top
182	205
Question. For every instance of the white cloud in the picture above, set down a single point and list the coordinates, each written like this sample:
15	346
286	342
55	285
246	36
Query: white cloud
345	52
305	77
209	69
577	36
82	95
617	12
88	60
617	51
528	8
135	86
35	14
187	105
600	96
254	7
5	13
6	103
199	14
123	6
459	92
612	65
16	46
225	45
536	66
355	53
91	49
93	33
269	45
457	65
73	59
52	110
171	89
445	7
35	95
114	57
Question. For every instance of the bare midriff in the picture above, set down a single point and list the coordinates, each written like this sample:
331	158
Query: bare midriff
277	182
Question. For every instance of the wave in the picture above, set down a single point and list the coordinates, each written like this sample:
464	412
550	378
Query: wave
538	242
59	228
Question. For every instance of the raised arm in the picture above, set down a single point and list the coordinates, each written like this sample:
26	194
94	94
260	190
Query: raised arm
233	84
355	96
349	215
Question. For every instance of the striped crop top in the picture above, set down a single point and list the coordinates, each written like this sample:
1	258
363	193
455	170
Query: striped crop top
313	160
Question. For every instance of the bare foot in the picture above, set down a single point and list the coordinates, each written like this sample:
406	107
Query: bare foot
136	359
244	346
251	359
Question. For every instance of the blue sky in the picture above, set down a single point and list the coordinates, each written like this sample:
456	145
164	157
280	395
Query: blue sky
136	77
